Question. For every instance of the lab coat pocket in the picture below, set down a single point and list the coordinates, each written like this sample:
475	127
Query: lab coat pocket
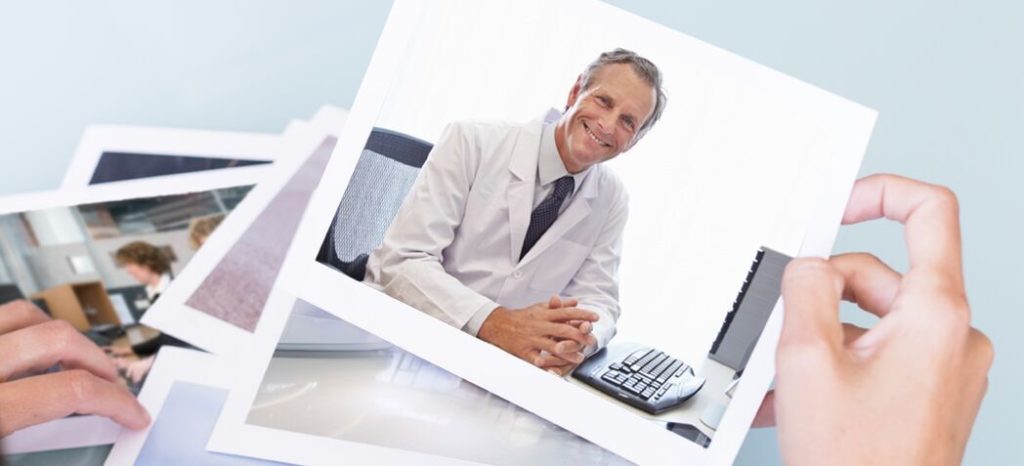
553	271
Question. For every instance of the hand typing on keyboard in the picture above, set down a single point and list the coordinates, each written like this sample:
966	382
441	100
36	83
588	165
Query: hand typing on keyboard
552	335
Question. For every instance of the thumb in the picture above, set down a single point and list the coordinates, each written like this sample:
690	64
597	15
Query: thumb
555	302
811	290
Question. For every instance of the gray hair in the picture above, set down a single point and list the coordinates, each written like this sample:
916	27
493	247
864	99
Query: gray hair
643	67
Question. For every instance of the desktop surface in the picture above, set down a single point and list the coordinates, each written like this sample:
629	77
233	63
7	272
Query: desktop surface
394	399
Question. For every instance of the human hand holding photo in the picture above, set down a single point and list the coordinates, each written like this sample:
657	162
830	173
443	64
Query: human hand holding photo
30	344
905	391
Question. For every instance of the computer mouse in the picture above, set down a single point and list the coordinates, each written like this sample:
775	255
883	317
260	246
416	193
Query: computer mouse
689	387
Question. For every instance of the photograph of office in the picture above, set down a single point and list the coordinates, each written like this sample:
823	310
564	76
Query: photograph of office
588	217
449	210
100	266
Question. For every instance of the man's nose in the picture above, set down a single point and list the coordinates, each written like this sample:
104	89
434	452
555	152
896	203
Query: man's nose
607	122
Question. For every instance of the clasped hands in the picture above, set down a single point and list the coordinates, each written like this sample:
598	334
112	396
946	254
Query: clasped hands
553	336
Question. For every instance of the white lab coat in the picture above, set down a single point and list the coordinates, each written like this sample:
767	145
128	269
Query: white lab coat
453	249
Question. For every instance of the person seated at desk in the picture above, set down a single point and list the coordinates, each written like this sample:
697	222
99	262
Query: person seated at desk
149	266
505	216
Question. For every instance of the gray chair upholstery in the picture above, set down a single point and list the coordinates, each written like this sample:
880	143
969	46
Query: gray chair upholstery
386	170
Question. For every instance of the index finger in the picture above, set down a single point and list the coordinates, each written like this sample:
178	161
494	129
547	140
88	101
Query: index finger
38	399
930	215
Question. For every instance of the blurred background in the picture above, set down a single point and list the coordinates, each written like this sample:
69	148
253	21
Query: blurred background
947	78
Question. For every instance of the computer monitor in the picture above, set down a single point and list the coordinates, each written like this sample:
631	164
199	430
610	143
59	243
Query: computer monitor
745	322
134	297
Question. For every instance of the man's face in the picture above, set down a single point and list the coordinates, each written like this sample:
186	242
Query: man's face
603	120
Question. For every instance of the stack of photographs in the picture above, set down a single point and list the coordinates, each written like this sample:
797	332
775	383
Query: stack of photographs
307	347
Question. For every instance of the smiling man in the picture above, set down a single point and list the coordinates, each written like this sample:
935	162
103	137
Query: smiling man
513	232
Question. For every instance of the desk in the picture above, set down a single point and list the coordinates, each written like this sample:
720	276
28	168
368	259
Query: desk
394	399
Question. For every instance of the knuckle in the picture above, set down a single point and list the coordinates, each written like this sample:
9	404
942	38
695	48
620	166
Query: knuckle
60	333
942	288
81	385
801	270
23	310
983	348
864	258
945	197
805	266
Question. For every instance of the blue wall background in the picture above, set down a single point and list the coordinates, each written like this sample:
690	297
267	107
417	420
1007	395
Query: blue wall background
947	78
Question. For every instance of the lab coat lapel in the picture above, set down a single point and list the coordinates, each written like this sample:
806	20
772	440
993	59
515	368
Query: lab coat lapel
523	168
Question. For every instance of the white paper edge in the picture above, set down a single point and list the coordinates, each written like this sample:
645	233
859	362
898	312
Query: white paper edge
172	365
170	313
132	189
97	139
60	434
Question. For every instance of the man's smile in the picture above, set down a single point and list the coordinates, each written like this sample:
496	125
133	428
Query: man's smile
594	136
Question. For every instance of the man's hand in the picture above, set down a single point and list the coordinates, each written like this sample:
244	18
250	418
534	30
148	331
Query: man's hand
570	352
549	335
905	391
87	384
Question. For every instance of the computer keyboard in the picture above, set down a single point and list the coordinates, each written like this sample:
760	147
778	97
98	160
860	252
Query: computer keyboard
640	376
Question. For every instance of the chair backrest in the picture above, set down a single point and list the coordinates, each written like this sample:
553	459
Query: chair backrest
386	170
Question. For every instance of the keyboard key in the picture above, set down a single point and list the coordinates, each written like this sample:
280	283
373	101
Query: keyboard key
646	359
610	378
652	363
665	364
636	356
670	371
647	393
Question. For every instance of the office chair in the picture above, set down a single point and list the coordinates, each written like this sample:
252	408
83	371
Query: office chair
383	176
